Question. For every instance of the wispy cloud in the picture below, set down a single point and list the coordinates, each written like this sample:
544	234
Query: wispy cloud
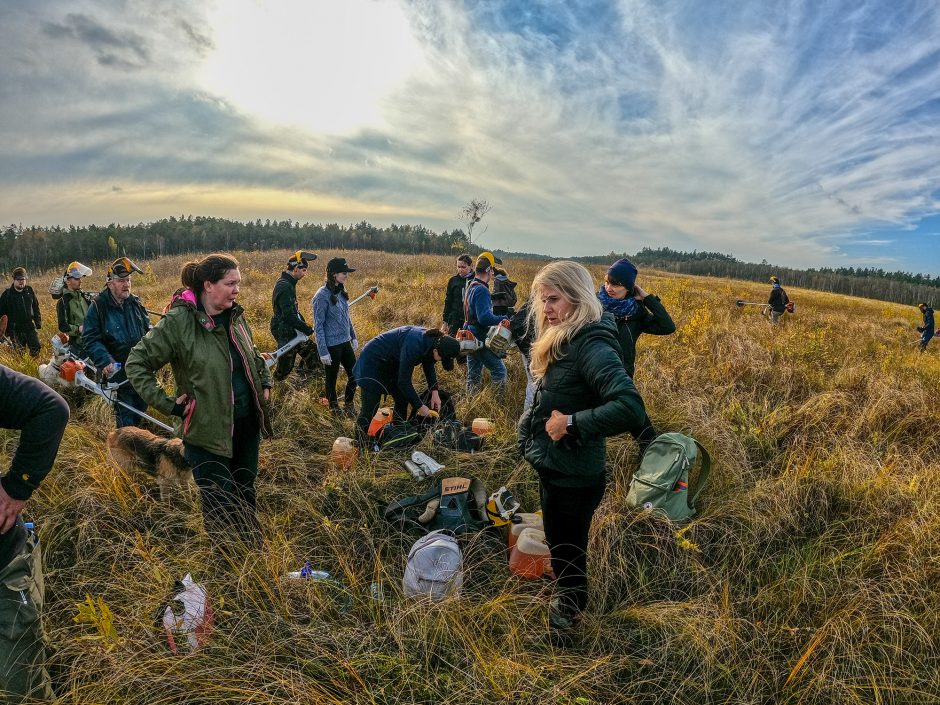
783	131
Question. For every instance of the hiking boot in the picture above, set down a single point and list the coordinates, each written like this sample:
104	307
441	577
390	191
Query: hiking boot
563	622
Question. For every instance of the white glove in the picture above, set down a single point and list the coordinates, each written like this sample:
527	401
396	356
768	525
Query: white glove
355	344
326	360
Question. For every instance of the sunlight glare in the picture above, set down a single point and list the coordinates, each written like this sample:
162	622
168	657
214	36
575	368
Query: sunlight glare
319	65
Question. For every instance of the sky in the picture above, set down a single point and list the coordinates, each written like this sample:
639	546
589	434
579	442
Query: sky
803	133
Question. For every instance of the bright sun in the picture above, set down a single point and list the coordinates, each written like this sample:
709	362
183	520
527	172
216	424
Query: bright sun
318	64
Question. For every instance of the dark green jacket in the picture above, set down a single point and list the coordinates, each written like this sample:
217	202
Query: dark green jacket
652	318
588	382
70	312
198	350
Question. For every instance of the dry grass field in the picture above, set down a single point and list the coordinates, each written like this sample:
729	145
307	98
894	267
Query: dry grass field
810	575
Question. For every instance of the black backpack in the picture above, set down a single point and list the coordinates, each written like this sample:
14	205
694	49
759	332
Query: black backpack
397	436
504	292
453	435
457	504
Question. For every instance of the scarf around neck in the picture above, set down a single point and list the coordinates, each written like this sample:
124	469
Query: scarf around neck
620	308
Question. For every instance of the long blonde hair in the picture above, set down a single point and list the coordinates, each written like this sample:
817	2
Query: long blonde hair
575	284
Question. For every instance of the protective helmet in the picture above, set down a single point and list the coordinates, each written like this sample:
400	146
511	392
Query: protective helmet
775	280
300	257
494	260
922	305
77	270
122	267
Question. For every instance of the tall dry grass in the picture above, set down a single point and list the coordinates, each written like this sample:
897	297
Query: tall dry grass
810	576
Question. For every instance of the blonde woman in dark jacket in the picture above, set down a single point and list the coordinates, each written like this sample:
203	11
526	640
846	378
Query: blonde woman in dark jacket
582	396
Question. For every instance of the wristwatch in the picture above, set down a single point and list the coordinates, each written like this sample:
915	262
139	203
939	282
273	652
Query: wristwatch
570	427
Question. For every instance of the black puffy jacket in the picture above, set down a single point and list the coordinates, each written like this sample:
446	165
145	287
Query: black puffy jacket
590	383
653	318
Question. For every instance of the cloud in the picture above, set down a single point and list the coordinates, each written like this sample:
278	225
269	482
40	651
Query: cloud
770	130
125	49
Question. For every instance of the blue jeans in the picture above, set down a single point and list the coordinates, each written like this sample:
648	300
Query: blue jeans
491	361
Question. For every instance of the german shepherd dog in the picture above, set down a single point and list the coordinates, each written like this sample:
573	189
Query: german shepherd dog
161	458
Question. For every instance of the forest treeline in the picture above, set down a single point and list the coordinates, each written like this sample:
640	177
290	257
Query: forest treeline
866	282
39	248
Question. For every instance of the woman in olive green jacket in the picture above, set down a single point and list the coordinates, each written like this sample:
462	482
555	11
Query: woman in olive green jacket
222	390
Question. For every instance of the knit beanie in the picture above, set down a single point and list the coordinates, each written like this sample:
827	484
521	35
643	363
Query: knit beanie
623	272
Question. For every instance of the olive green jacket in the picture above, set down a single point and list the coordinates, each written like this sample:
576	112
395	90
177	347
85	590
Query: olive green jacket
198	351
70	313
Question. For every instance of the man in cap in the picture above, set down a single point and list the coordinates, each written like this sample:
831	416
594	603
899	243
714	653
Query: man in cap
115	322
778	300
72	306
20	306
288	319
928	329
40	414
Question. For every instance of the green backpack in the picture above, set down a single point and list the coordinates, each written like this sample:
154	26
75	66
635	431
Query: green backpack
662	481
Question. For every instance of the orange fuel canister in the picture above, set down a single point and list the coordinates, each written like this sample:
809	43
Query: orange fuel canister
520	522
382	417
530	557
481	426
343	454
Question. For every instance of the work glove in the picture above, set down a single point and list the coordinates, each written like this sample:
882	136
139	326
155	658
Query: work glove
326	360
355	344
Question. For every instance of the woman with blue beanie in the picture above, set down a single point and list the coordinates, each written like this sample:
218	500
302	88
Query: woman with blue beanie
634	310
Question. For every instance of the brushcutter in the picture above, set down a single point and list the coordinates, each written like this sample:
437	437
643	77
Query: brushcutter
270	359
371	292
765	308
66	369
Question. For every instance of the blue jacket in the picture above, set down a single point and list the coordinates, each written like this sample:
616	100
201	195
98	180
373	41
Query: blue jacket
387	362
479	303
123	328
331	321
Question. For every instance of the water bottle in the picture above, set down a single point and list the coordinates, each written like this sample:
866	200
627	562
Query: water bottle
309	573
117	368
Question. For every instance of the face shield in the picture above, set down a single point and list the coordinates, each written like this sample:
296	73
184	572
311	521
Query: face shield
77	270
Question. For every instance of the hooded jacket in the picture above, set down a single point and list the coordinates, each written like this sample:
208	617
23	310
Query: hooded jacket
198	350
287	316
70	310
21	308
590	384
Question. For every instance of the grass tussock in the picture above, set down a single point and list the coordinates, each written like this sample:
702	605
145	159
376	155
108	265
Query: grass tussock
810	575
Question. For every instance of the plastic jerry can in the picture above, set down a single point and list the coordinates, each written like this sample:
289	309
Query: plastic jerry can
382	417
526	521
482	426
530	557
343	454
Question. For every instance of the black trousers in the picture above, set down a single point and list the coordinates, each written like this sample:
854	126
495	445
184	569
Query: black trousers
370	401
567	514
227	485
307	351
344	355
25	337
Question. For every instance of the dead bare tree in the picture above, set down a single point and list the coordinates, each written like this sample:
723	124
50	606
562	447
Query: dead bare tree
473	213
